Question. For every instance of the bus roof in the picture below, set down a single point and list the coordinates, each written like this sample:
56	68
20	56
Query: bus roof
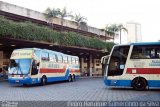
50	51
140	43
146	43
28	49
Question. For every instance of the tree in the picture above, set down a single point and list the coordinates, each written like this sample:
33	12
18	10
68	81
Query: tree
63	13
78	18
112	29
50	14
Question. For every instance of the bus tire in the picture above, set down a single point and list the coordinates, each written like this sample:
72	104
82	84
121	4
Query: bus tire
70	78
73	78
43	80
25	85
139	84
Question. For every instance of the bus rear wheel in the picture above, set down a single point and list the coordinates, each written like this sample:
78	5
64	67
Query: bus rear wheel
43	80
139	84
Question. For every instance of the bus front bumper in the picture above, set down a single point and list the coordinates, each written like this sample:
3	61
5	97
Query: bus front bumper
23	81
117	82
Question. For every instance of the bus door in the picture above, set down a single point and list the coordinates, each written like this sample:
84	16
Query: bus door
35	67
35	62
117	60
104	61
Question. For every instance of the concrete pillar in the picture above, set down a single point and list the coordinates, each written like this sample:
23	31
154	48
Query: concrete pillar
1	59
81	66
89	65
1	63
94	65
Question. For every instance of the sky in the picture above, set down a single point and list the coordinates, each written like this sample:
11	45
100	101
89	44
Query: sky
102	12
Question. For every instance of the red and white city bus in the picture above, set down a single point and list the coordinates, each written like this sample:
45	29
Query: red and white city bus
33	65
135	65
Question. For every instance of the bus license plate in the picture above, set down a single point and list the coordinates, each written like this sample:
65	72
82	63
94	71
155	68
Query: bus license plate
16	76
17	80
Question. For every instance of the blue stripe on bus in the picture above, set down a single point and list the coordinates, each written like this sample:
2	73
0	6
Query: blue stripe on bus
154	83
52	79
146	43
151	83
117	82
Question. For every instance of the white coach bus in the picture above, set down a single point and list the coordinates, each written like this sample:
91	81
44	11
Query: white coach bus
135	65
33	65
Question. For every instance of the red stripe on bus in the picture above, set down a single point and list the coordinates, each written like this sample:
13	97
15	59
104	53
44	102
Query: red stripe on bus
143	70
52	70
73	70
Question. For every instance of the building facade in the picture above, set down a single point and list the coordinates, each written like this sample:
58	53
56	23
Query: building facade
134	32
89	58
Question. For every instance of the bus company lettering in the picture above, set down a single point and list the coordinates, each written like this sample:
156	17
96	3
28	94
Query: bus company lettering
27	54
20	54
155	63
139	64
15	54
51	65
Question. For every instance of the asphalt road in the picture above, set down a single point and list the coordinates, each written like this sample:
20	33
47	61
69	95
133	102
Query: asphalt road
84	89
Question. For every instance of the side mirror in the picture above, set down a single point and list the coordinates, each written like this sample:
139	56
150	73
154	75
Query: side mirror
104	59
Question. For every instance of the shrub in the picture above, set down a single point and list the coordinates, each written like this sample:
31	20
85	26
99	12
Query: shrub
30	31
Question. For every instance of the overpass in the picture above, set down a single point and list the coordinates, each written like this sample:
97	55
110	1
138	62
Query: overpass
89	57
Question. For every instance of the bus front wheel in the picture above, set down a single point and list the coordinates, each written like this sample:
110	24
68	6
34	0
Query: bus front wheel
43	81
139	84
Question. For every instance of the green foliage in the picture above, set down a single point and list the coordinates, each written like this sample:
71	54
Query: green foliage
30	31
78	18
51	13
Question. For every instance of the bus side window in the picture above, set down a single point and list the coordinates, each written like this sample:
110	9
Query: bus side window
77	61
73	60
45	56
137	53
52	57
60	59
69	60
65	59
158	53
37	53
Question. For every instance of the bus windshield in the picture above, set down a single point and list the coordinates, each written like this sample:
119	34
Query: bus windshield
118	60
19	66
